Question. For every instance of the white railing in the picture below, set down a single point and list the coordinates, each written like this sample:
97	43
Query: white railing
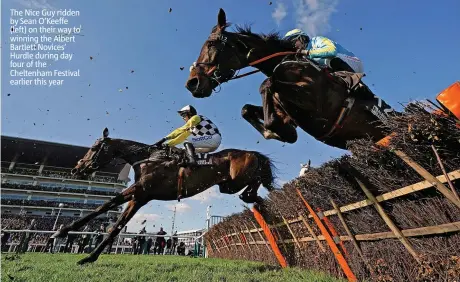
118	248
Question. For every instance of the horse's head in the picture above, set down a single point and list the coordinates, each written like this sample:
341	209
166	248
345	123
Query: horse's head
100	154
219	59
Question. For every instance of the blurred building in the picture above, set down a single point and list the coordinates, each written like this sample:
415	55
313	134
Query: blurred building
36	180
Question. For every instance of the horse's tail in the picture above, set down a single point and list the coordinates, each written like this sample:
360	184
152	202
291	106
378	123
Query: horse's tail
267	171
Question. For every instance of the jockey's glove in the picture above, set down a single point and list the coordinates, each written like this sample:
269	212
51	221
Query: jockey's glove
159	143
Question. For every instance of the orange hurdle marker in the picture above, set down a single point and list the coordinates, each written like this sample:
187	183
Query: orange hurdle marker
338	255
270	237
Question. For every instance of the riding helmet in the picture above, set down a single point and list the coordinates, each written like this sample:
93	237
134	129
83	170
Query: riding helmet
189	109
296	33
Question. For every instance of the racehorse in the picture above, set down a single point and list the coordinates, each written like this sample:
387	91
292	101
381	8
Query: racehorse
333	107
156	172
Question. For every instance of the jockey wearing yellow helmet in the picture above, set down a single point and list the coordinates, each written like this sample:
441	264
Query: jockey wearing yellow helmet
325	52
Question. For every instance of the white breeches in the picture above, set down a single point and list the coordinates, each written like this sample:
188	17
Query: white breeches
206	143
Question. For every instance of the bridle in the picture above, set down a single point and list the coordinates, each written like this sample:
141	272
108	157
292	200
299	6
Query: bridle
215	73
102	147
105	147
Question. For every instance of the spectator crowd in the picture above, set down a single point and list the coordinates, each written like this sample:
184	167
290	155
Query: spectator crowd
84	243
57	189
60	174
50	203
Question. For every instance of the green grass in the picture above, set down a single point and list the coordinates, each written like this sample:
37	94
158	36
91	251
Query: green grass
32	267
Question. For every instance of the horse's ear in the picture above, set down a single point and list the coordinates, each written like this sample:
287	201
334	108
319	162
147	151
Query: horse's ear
221	19
301	165
105	133
309	162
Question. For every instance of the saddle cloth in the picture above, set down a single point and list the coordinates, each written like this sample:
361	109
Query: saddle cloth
203	159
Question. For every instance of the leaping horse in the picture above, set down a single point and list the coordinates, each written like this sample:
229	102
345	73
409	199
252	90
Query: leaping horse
156	173
332	107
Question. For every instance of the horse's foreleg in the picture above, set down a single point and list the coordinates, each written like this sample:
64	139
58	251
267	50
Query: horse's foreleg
130	211
119	199
276	122
254	115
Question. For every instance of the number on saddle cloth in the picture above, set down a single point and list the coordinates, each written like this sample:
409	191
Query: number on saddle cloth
379	108
204	159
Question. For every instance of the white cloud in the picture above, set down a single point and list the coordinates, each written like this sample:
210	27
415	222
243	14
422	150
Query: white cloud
312	16
36	4
279	13
140	220
208	195
180	207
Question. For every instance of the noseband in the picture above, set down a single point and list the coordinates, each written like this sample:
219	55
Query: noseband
215	73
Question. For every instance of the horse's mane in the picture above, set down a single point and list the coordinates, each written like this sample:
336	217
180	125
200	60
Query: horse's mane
272	37
246	30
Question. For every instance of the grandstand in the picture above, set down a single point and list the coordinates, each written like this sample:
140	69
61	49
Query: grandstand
36	183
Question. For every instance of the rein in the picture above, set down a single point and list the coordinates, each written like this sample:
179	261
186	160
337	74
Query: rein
122	156
266	58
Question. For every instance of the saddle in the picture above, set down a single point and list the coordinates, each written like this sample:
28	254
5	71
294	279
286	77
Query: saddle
179	156
357	89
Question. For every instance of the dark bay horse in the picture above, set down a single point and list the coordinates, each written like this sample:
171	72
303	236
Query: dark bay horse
156	177
332	107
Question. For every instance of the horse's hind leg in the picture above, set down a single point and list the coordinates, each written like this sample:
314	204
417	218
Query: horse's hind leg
119	199
130	211
249	194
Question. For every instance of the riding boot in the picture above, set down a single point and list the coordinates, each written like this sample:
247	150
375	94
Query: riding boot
190	150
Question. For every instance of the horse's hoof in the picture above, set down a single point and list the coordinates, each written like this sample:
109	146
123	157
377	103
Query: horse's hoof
86	260
271	135
178	198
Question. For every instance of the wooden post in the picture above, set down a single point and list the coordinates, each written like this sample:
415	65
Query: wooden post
225	242
217	247
209	249
252	237
269	235
384	216
290	231
334	233
305	222
428	176
237	235
261	236
245	239
350	234
338	255
278	234
441	165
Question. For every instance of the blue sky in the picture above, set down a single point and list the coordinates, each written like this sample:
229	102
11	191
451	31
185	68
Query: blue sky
409	50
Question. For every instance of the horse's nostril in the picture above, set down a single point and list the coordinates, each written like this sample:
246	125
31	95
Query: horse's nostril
193	84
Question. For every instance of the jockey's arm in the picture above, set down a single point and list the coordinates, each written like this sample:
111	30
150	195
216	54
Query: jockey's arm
321	47
180	134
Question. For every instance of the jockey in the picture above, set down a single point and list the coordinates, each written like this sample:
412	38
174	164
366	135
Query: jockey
325	52
199	133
